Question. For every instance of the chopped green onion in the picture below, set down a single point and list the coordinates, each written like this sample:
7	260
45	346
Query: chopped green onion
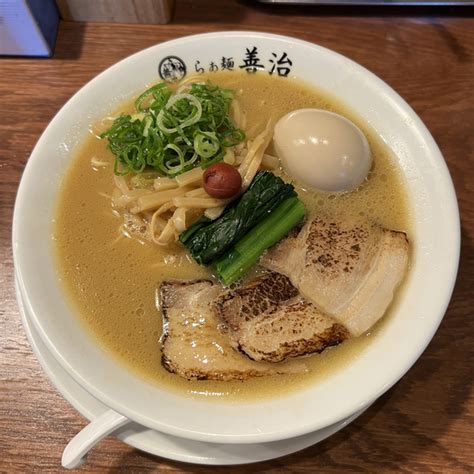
177	112
175	161
157	95
148	121
173	133
206	144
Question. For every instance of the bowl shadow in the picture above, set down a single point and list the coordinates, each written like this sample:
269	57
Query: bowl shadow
69	40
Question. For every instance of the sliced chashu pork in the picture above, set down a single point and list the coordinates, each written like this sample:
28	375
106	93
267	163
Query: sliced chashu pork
267	319
349	271
193	345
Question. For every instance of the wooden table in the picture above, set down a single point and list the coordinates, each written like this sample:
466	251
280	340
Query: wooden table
423	424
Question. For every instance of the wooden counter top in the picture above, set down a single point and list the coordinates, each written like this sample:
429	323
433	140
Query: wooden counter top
426	422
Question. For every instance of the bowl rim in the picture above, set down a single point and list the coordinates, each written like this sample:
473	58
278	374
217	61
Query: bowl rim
307	426
151	441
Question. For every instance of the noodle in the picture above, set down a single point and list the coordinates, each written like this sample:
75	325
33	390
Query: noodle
121	183
179	219
154	200
167	205
251	164
199	192
236	113
203	203
270	162
253	147
157	221
161	184
126	199
214	212
167	235
190	177
229	156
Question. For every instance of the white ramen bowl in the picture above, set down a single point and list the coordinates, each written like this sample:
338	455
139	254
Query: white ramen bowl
398	345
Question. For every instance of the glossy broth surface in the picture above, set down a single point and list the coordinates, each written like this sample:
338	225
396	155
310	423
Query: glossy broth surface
111	279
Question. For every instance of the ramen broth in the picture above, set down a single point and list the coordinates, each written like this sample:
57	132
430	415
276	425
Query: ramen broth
112	278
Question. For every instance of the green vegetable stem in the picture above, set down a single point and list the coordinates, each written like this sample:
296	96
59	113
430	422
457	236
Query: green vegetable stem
248	250
207	240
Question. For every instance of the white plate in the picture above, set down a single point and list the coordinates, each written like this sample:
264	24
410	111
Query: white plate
160	444
405	334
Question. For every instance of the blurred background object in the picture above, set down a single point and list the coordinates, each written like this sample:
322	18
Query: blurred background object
372	2
28	27
117	11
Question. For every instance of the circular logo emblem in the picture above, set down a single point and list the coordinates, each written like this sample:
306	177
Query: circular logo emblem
172	69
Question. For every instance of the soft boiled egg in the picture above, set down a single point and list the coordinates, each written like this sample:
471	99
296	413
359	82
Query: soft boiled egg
322	149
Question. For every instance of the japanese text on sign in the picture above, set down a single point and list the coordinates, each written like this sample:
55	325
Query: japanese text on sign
278	63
